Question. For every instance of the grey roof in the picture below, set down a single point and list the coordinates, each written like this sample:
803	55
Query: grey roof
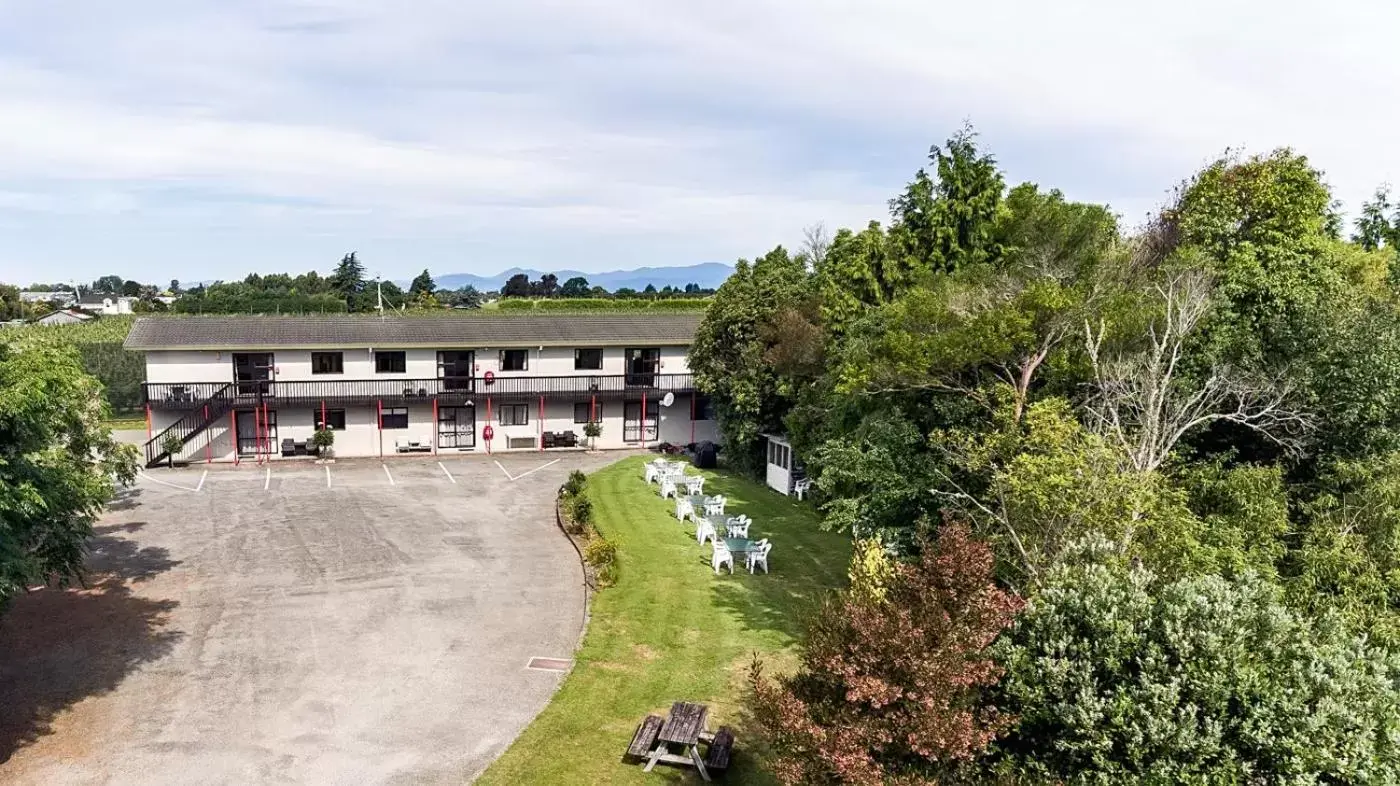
478	330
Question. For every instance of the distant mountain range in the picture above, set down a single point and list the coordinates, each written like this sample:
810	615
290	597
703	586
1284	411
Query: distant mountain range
708	275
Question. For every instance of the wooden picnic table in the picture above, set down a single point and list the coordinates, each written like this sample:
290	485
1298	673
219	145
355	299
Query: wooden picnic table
684	727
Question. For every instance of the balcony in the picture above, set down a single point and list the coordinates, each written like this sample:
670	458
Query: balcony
342	392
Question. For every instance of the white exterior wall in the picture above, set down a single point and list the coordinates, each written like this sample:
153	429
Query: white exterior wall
361	437
189	366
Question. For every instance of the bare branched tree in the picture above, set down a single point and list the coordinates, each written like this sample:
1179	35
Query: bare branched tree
815	243
1140	401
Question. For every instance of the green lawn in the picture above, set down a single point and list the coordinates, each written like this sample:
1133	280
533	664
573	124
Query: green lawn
130	423
671	630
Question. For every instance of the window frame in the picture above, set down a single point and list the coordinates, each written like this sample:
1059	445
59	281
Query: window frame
523	409
395	412
702	408
587	411
400	354
330	418
578	358
525	362
339	363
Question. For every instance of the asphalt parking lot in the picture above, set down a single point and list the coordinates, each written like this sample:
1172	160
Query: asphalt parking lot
362	622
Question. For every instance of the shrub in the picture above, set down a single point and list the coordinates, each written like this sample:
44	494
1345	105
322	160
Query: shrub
578	513
888	687
172	445
323	439
1120	678
576	483
601	554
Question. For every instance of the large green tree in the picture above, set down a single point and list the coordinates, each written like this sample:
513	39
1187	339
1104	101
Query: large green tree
422	284
348	280
727	355
58	464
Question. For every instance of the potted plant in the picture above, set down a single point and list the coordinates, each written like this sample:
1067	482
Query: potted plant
592	429
171	445
324	439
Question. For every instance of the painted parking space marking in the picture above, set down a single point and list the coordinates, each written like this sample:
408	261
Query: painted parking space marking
328	476
526	472
387	475
200	485
448	474
153	479
267	479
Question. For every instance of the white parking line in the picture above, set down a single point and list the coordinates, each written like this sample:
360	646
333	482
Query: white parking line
386	474
448	474
201	480
267	479
167	483
536	469
503	469
328	476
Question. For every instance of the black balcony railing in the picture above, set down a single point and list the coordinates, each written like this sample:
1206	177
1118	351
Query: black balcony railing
190	395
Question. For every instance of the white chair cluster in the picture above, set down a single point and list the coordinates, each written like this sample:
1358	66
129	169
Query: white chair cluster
737	527
722	556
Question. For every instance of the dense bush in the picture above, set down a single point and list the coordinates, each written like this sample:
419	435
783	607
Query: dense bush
1119	678
99	345
575	484
578	513
601	554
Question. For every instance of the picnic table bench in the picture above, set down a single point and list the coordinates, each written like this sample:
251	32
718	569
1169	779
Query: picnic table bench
684	727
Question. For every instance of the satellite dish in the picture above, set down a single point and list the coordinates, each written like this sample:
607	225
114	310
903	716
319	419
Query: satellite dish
668	399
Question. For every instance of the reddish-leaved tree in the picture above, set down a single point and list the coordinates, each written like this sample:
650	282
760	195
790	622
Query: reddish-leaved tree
890	684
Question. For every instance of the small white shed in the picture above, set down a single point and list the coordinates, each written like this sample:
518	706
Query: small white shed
780	464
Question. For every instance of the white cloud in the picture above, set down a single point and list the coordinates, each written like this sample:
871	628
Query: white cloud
720	128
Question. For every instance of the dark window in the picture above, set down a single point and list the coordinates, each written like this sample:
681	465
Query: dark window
704	408
334	417
515	359
455	369
583	412
588	359
393	417
390	363
642	365
515	414
327	363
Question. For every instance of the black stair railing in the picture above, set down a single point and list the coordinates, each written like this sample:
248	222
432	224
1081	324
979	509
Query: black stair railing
204	414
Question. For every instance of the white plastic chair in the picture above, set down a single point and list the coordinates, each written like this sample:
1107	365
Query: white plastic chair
737	528
722	556
801	487
684	509
704	531
668	488
695	485
759	556
714	506
652	473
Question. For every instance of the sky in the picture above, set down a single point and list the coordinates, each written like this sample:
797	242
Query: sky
207	139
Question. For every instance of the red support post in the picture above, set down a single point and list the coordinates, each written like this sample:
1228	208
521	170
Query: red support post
208	441
593	410
692	418
267	433
379	424
435	426
323	415
233	434
644	420
148	423
488	423
257	435
541	429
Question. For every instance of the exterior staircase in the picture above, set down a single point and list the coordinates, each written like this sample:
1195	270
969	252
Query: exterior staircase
203	415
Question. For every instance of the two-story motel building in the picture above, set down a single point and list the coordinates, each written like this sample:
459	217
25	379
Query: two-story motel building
234	387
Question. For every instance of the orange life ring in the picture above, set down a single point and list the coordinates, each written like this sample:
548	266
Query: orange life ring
488	432
490	377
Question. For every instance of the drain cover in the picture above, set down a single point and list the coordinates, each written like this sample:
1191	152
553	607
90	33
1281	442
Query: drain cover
549	664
